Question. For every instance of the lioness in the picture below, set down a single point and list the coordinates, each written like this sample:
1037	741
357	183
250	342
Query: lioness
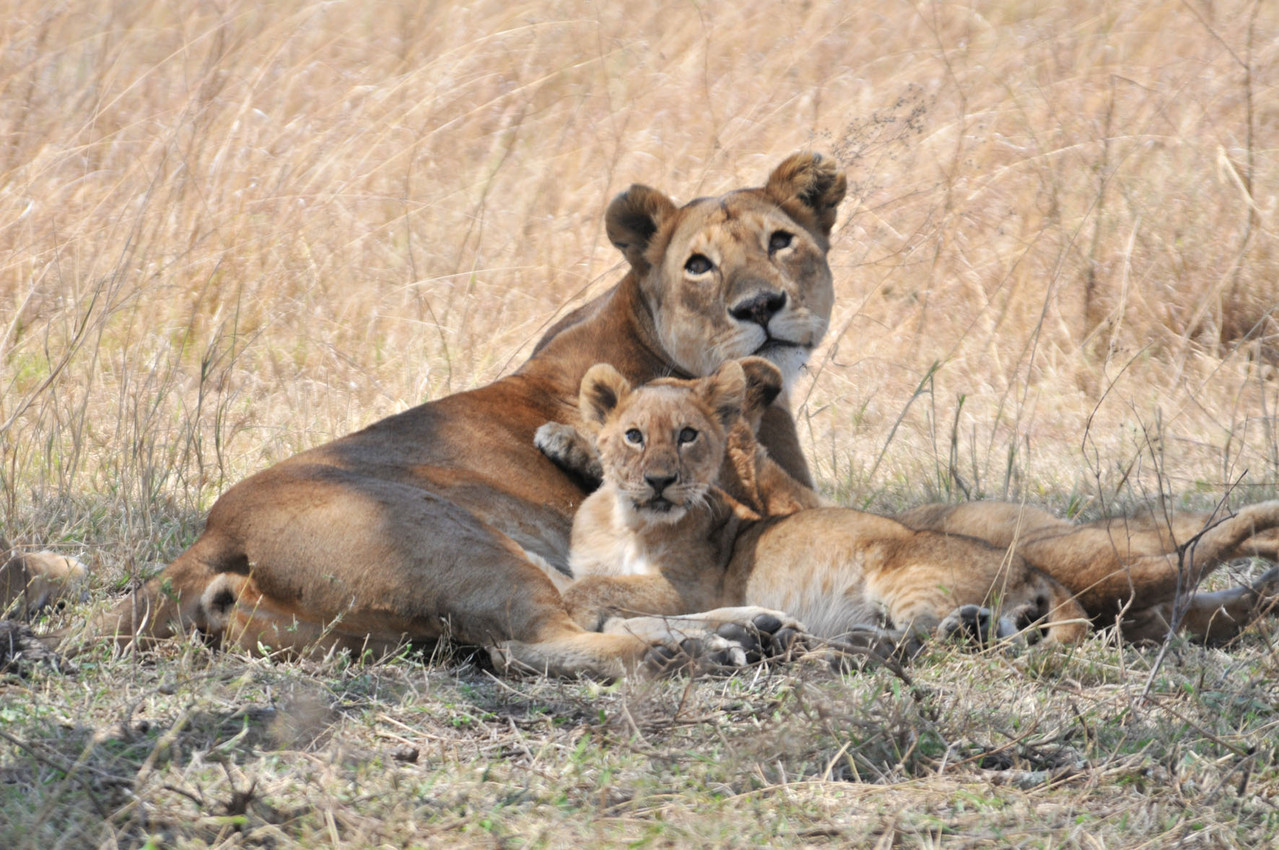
436	521
1134	570
660	537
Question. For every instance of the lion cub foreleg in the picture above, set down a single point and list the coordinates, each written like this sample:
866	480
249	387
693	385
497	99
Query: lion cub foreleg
594	600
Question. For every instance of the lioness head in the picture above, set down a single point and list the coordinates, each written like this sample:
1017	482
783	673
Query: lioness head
661	445
743	273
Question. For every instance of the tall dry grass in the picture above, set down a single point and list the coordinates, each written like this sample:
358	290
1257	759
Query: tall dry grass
232	230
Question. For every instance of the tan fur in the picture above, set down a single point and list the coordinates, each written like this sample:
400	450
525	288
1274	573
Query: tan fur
836	569
638	549
437	520
33	581
1129	569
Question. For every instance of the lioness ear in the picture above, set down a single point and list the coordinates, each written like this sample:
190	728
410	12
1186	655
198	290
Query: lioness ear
811	181
725	391
763	385
603	388
633	218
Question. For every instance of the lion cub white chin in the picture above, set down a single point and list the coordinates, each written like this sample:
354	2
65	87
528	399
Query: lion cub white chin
661	537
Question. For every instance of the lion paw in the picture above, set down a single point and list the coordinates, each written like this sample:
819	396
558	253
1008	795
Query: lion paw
571	451
766	635
976	625
20	650
732	639
694	655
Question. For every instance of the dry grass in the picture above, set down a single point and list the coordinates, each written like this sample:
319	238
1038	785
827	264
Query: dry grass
229	231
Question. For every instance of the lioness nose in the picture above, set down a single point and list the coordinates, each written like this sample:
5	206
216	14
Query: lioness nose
660	482
758	308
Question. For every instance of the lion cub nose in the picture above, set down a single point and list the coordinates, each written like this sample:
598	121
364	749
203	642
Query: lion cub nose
660	482
759	308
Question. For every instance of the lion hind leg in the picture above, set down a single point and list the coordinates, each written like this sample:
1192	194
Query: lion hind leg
167	604
1157	579
1264	544
1213	617
1229	537
233	611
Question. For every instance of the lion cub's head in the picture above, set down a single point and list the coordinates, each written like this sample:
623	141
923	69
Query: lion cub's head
662	445
739	274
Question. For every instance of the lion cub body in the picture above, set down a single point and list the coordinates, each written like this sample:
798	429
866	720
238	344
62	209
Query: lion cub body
836	569
654	538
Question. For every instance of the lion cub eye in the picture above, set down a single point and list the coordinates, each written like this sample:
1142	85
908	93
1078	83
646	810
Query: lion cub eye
687	436
780	240
698	264
634	436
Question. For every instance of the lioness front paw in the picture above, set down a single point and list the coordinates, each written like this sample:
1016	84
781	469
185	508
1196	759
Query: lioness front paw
768	634
570	450
694	655
976	625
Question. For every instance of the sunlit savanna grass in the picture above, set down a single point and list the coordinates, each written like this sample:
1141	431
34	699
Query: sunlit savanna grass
229	231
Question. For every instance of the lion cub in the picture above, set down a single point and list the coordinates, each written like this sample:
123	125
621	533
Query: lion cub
33	581
654	538
662	536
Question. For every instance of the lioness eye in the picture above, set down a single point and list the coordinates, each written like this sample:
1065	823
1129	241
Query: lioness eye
687	435
779	240
635	437
698	264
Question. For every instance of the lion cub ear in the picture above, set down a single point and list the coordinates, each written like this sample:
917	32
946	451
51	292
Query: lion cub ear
603	389
725	391
633	218
813	180
763	386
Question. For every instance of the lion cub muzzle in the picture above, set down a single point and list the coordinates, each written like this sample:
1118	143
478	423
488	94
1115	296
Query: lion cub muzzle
657	485
759	307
